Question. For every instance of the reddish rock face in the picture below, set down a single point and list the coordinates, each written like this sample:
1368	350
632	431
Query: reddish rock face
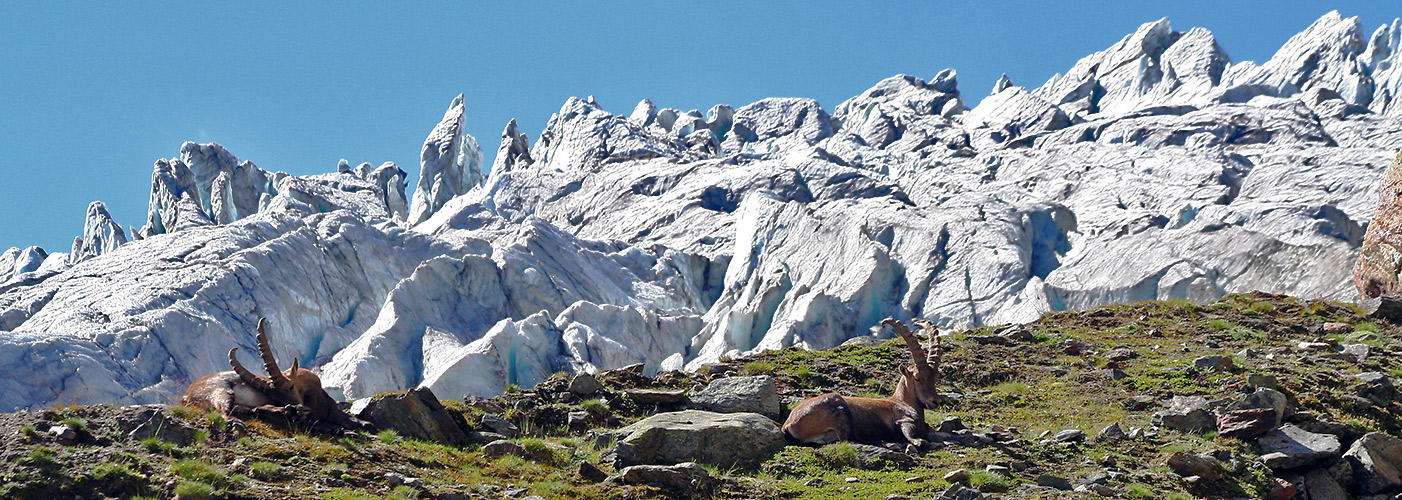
1378	271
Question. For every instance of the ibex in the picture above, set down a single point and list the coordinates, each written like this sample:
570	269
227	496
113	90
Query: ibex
241	390
833	417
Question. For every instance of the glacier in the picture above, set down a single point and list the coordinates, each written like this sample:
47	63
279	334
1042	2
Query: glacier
1157	168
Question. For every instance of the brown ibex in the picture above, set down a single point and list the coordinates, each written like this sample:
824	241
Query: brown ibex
241	390
833	417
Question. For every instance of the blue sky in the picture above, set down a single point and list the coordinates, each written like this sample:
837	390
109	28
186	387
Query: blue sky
92	94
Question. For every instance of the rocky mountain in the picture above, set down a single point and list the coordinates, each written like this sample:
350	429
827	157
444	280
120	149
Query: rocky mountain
1157	168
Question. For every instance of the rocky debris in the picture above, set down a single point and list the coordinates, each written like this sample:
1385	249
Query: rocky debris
1210	473
1121	354
680	477
1377	387
1074	347
1377	463
1283	490
1264	397
1138	402
950	424
1051	481
1257	381
502	447
1383	308
1214	363
755	394
397	479
591	472
159	425
656	396
872	456
957	476
415	414
1112	432
1066	436
1290	447
696	436
499	425
1187	414
960	492
1320	484
584	385
1246	424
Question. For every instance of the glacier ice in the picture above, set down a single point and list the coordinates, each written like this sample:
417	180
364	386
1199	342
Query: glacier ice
1156	168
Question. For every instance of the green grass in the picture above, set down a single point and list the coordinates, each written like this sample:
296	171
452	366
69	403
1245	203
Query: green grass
265	471
992	482
594	405
29	431
200	472
839	455
41	458
758	367
195	490
156	445
1138	491
74	423
388	436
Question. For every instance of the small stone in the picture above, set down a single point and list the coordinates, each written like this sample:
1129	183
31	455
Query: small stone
590	472
1283	490
584	384
991	340
1102	490
1051	481
1314	346
1111	432
396	478
63	432
1214	363
656	396
950	424
1334	327
578	419
997	469
897	496
957	476
635	368
1067	436
1137	403
499	425
914	479
1257	381
238	462
1359	352
502	447
817	481
1245	424
1096	477
1121	354
850	479
1187	414
514	492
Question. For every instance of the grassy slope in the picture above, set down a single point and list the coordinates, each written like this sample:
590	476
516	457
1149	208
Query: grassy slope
1033	387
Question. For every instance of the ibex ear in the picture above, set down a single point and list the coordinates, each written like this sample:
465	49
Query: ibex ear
294	367
908	371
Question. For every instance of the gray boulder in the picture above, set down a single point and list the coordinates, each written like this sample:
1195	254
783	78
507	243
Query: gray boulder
1187	414
1377	463
415	414
756	394
1264	397
1291	447
683	476
697	436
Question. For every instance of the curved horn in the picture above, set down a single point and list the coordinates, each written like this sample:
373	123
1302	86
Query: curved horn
247	376
269	362
917	353
936	348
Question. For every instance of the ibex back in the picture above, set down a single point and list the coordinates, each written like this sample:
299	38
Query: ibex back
901	417
242	390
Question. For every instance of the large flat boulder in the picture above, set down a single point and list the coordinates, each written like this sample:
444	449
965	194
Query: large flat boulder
1291	447
414	414
726	439
756	394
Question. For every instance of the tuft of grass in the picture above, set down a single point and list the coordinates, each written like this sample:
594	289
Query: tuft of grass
41	458
75	423
184	412
839	455
758	366
157	445
1220	324
199	471
1138	491
992	482
388	436
542	451
29	431
194	490
265	471
216	421
1366	326
594	405
114	473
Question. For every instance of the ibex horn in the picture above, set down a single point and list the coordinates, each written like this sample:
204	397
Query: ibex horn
247	376
269	362
917	353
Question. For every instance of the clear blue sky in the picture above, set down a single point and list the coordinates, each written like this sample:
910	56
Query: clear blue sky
91	95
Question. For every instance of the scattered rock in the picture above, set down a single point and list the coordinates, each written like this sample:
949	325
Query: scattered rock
577	420
396	478
1137	403
1320	485
1291	447
1099	489
584	385
1377	462
1384	308
1264	397
1074	347
1356	353
1335	327
1203	466
957	476
960	492
415	414
1066	436
161	426
502	447
1314	346
1257	381
499	425
950	424
1121	354
656	396
1017	333
590	472
1187	414
682	476
998	469
1214	363
64	433
1246	424
1377	387
1111	432
697	436
757	394
1051	481
876	456
1283	490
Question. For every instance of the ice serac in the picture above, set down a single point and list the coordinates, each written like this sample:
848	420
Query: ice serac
450	164
1154	169
100	234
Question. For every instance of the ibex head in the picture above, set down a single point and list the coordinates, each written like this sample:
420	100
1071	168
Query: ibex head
922	377
294	386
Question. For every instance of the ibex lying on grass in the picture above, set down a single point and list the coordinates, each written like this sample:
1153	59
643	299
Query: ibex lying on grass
241	390
901	417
